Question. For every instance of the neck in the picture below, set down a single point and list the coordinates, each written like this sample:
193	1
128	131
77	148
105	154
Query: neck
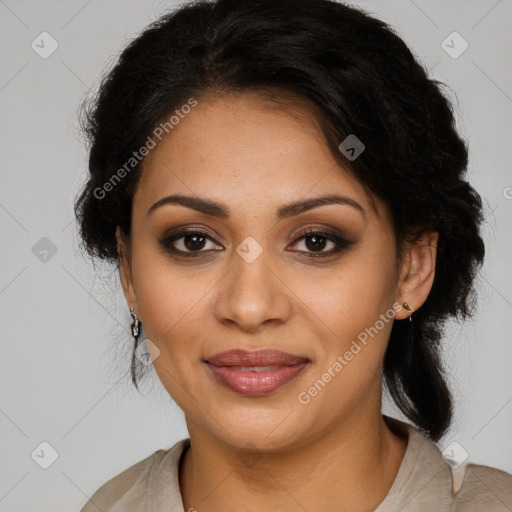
350	468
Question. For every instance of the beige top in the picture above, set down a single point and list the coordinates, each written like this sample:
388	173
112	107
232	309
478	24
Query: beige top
424	483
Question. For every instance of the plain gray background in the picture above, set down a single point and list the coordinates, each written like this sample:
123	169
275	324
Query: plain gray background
65	325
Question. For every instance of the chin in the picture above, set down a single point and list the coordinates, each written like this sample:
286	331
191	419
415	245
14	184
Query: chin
266	429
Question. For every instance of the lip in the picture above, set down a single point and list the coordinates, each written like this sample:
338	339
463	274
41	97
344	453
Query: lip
235	370
239	357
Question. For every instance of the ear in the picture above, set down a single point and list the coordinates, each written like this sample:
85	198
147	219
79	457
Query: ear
417	273
125	270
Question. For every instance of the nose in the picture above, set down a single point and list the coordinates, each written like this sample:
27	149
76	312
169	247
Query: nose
252	295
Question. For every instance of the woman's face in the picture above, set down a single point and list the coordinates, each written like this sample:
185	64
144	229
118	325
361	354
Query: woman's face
251	280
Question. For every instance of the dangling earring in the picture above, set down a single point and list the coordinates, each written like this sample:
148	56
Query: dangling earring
406	306
135	324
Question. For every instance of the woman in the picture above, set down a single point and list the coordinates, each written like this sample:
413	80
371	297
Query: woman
282	188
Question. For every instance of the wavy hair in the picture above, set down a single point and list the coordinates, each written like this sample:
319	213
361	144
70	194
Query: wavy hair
357	76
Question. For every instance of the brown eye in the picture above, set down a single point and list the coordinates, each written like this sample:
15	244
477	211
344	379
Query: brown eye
189	243
315	243
194	242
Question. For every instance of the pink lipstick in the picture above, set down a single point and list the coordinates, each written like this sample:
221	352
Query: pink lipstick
255	373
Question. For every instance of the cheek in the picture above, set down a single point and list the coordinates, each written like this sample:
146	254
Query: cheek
350	313
351	296
173	318
171	302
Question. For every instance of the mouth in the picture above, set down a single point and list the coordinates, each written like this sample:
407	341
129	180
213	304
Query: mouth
255	373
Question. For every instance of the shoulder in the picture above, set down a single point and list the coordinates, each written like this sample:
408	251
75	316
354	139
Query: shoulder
128	486
127	491
426	481
484	488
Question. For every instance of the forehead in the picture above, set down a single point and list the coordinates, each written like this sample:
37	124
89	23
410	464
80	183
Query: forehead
242	149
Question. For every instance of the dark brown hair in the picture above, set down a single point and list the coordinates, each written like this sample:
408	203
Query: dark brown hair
363	80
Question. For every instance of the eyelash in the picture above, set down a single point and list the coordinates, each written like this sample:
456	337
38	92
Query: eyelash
340	242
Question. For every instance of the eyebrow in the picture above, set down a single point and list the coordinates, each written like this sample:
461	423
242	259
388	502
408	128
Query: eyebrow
215	209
